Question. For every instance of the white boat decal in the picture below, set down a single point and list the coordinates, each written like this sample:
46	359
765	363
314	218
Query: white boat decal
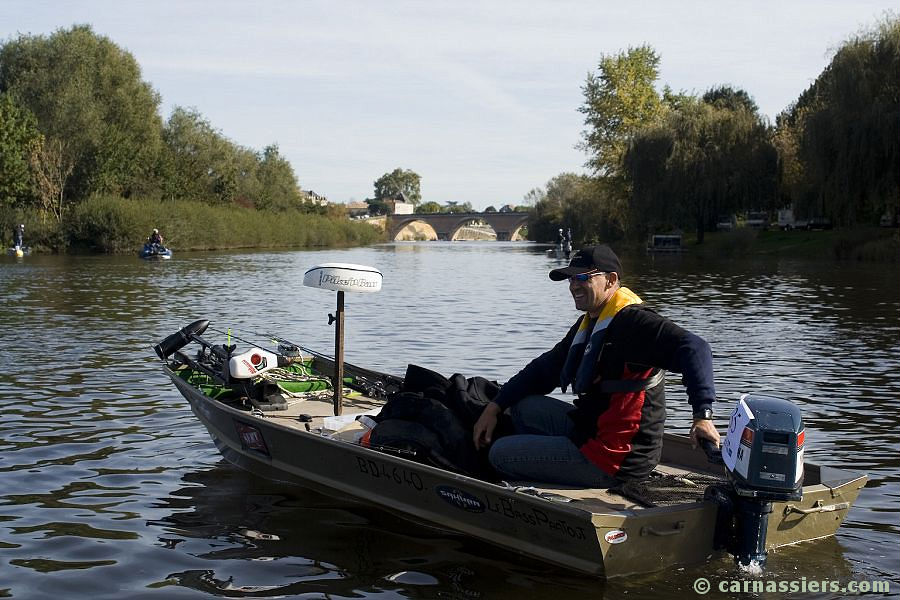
460	498
616	536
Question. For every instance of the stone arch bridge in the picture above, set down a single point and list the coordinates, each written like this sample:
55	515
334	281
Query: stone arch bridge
505	224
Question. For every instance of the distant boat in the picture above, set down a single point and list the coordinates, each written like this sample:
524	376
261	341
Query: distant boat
155	251
18	251
665	243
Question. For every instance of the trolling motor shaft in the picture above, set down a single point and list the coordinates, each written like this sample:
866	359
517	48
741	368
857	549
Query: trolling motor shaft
341	277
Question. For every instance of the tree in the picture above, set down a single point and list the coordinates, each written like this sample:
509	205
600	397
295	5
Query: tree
618	101
399	184
844	127
18	140
455	207
87	91
700	161
569	201
377	207
202	164
52	164
277	183
728	98
428	208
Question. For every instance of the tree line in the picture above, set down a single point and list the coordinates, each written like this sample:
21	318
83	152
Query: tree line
77	121
670	160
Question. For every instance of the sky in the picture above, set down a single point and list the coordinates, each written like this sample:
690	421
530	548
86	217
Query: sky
480	98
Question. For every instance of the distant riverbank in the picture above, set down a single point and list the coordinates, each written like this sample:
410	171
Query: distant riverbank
113	225
870	244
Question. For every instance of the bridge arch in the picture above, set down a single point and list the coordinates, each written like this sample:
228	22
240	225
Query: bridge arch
507	225
395	229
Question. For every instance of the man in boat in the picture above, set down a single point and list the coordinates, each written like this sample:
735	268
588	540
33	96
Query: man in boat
155	238
614	357
19	235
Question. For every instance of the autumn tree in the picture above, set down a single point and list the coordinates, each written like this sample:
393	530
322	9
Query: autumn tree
619	100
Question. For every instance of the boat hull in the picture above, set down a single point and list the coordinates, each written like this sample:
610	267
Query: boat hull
148	253
589	536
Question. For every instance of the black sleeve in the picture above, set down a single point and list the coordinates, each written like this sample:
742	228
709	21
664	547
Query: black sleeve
653	340
540	376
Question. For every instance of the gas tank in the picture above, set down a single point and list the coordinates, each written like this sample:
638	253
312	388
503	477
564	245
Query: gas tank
251	363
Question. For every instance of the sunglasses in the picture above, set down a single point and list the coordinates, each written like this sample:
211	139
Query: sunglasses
582	277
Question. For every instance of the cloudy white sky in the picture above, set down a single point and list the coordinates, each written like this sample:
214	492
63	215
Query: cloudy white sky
479	98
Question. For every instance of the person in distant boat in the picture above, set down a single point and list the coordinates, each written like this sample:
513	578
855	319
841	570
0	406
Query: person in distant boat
155	238
19	235
568	244
614	357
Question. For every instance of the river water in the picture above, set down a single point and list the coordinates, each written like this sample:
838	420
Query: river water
109	488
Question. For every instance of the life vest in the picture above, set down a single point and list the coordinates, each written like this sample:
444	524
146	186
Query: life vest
620	419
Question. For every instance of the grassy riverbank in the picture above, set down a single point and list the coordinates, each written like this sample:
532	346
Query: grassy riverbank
115	226
874	244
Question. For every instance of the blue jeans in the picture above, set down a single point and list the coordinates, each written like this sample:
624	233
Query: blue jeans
541	450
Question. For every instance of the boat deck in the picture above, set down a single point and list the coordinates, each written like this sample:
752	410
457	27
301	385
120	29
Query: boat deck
668	485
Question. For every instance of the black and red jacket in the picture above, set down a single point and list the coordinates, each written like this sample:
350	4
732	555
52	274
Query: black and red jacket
619	421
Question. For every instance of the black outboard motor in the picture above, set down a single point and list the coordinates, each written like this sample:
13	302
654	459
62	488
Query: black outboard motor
763	455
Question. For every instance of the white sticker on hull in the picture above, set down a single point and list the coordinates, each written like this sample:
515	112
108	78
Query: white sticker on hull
616	536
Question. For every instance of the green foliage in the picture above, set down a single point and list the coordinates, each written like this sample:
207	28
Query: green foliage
86	93
429	208
728	98
456	207
618	101
399	184
199	162
278	189
571	201
843	159
114	225
704	159
18	139
377	207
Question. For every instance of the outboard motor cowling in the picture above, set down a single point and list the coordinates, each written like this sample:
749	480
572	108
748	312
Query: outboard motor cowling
763	455
763	450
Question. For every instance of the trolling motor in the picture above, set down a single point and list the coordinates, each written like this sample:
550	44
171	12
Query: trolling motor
224	365
763	457
180	339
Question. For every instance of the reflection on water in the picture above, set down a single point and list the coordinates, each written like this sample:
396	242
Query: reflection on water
110	488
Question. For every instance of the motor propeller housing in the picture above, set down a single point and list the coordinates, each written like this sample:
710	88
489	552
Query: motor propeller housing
180	339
